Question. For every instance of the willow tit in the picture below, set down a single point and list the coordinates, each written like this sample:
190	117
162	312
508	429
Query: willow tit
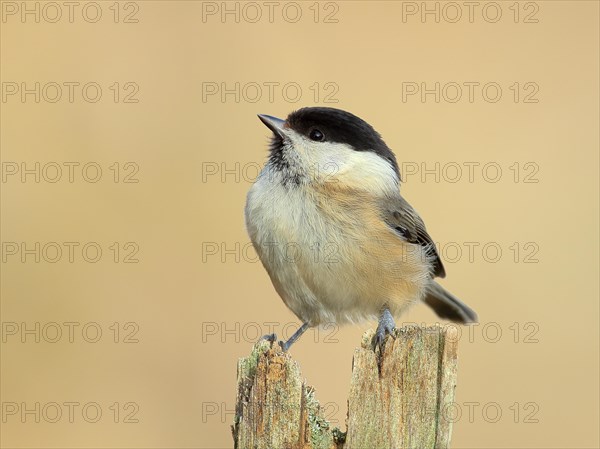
339	242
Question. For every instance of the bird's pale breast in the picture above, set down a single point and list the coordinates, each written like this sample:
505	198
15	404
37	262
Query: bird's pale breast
330	255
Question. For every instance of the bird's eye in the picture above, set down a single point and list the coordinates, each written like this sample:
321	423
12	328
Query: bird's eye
316	135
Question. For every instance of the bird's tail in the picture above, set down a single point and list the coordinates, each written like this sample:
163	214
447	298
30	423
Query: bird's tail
448	306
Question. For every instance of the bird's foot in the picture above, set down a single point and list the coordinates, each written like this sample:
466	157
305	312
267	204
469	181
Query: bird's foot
269	337
272	338
285	345
386	326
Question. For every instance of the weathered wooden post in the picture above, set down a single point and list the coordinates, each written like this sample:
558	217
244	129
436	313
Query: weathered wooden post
397	398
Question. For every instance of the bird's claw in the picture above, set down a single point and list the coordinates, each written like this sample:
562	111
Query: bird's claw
269	337
272	338
386	326
285	345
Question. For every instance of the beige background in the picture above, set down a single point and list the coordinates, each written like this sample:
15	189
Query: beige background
179	374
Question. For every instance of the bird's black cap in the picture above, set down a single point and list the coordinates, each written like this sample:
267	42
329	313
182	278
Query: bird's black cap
342	127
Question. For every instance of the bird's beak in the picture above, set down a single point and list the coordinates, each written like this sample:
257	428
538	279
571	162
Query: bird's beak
273	123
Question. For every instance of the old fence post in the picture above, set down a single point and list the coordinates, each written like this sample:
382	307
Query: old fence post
397	399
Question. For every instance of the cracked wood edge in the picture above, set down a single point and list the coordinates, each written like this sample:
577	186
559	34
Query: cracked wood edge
275	408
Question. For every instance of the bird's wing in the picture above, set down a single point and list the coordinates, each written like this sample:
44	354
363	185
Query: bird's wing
400	215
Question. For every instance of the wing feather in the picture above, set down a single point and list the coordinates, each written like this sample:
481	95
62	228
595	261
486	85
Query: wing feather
401	216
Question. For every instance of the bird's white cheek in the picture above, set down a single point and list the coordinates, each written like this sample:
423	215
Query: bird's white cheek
322	160
315	163
327	166
339	163
360	170
364	170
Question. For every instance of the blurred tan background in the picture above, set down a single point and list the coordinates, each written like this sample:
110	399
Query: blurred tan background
143	100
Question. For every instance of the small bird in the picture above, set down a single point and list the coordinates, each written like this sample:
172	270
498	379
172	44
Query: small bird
339	242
